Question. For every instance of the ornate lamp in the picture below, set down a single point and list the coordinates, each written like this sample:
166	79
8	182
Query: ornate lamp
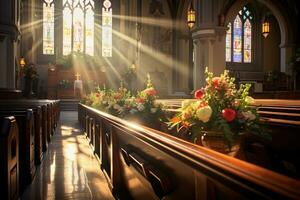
22	62
265	28
191	16
133	67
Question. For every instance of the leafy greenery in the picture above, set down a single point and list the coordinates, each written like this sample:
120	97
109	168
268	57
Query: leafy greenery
220	106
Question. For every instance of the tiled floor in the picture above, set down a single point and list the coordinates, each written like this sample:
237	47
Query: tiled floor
69	169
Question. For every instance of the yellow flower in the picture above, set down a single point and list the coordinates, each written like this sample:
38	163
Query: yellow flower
249	100
204	113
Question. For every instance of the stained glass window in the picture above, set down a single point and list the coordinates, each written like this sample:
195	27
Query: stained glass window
239	38
247	41
78	26
48	27
107	29
228	43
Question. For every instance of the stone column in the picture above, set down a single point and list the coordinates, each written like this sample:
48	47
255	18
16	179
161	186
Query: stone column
209	51
9	36
285	56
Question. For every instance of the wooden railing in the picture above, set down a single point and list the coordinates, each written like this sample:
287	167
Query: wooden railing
142	163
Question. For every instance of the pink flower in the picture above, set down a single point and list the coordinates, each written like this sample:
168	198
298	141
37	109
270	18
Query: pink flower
151	92
216	82
140	100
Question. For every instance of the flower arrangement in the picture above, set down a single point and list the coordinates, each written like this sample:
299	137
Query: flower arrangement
218	107
144	107
30	72
64	84
141	107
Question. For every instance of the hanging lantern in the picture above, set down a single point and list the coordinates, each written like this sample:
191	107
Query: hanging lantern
265	28
191	16
22	62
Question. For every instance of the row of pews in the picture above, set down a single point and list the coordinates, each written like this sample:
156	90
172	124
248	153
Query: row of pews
142	163
26	127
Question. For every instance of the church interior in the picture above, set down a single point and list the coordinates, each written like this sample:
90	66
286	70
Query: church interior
149	99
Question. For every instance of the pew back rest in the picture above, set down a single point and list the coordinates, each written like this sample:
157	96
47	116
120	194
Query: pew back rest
161	149
9	158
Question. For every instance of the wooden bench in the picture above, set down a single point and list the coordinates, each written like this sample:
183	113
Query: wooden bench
40	131
53	111
25	121
9	158
140	163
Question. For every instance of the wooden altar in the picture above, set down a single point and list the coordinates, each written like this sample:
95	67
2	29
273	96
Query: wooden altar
61	81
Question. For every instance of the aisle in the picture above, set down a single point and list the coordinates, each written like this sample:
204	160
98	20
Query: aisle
69	170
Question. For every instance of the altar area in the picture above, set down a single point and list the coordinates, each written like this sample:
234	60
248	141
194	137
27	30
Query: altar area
72	83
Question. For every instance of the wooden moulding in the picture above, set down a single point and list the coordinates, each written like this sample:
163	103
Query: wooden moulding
246	179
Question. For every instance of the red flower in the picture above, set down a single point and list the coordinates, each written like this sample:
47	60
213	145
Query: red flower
140	100
216	82
151	92
97	95
229	114
199	94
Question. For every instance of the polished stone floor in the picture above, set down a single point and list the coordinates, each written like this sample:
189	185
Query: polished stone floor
69	169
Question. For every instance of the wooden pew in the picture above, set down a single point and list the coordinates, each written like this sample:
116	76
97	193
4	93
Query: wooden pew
142	163
25	123
282	118
9	158
53	111
38	128
41	125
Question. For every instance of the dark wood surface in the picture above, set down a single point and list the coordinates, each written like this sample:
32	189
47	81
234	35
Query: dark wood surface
158	164
9	158
25	123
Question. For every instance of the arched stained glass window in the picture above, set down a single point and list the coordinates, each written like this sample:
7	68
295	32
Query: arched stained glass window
78	26
228	43
239	38
48	27
107	29
247	41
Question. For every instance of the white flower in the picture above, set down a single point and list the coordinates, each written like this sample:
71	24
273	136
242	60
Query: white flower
140	107
117	107
204	113
248	115
104	102
249	100
132	111
153	110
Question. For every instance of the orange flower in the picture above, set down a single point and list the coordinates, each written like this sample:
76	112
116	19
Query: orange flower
175	120
186	124
140	100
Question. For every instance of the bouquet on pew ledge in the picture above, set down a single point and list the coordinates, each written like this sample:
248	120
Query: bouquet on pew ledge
141	108
220	114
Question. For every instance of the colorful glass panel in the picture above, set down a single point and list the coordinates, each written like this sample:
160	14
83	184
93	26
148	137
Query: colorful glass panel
67	31
89	31
78	30
106	29
78	26
247	41
237	39
228	43
48	27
